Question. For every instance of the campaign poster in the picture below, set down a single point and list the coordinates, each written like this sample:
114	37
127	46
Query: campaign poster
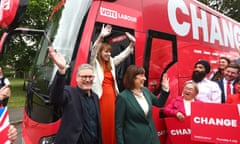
215	123
159	125
179	131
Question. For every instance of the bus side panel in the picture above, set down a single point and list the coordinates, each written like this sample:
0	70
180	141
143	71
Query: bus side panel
124	16
139	47
33	131
84	47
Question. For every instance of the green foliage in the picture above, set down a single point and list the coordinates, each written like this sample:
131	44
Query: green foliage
17	98
37	13
230	8
19	54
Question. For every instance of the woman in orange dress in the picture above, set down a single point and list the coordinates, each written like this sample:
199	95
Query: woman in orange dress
105	85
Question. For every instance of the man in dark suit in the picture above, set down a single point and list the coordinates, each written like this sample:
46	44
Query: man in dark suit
227	84
80	120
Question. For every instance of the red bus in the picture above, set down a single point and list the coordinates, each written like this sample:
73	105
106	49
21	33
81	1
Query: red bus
171	35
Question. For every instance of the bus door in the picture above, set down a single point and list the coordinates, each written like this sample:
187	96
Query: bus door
160	55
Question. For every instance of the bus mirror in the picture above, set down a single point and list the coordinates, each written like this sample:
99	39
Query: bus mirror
22	33
11	13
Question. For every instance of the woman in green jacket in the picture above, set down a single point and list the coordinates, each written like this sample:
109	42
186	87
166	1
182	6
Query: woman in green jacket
133	116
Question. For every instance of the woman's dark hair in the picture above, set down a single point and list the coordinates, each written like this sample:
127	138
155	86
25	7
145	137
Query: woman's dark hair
130	75
226	59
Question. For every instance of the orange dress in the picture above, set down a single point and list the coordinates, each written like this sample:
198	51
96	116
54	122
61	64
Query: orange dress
107	109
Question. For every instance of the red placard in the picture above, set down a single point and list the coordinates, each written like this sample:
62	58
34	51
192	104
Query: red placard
216	123
161	131
159	125
179	131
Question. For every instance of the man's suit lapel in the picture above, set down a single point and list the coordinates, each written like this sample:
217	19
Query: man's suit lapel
221	85
235	84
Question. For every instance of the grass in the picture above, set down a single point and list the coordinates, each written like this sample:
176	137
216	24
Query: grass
17	98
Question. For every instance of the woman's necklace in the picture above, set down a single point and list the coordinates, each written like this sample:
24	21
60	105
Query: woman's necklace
137	93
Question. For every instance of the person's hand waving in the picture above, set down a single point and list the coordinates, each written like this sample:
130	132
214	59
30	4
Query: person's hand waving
165	82
58	59
131	38
106	30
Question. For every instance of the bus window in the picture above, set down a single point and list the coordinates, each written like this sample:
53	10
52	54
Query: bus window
119	41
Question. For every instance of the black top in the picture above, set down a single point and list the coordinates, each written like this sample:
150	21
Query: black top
90	127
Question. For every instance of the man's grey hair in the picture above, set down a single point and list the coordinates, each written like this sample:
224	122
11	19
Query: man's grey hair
83	67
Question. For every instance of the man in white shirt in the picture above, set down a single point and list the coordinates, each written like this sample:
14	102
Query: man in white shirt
209	91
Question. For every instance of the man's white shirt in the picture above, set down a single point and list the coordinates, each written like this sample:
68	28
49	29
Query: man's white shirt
209	91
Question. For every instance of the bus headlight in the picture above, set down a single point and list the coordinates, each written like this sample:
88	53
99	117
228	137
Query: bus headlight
47	140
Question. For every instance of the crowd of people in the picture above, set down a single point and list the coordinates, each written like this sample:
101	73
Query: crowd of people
221	87
99	114
96	113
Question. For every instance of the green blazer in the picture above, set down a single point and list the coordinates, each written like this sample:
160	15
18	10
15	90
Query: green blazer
131	124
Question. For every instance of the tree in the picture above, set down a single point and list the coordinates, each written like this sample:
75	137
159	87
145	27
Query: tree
19	54
37	13
230	8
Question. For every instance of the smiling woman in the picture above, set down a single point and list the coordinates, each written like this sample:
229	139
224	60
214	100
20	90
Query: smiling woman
180	106
133	115
105	84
